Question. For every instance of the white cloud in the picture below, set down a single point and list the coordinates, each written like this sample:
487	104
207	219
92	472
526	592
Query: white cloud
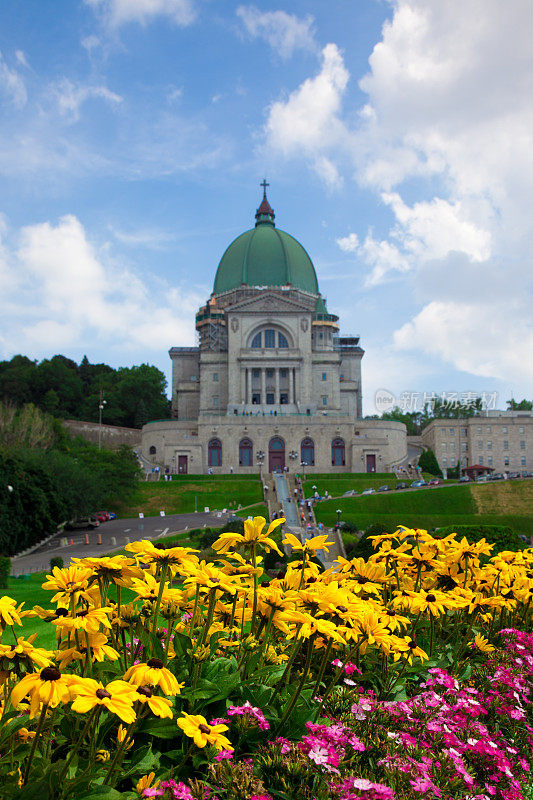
20	55
12	85
472	336
285	33
445	138
348	244
70	97
120	12
307	122
63	292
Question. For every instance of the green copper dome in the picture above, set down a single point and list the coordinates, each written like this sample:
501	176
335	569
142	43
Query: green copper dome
265	256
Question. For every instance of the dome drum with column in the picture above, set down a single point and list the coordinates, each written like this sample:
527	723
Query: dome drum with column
270	367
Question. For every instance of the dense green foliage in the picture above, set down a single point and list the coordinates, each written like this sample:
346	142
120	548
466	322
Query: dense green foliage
5	571
64	389
501	536
428	463
47	478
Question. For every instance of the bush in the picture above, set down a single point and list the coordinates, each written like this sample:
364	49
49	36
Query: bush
428	463
350	540
5	571
503	537
56	561
363	548
349	527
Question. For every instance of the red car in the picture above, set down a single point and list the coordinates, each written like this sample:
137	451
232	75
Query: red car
435	482
102	516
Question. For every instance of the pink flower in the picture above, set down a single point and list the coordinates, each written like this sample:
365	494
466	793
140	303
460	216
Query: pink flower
224	755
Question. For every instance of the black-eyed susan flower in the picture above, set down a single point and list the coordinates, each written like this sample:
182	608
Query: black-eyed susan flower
115	569
198	729
407	648
160	706
25	656
146	782
86	619
118	697
68	582
147	587
309	545
47	687
482	644
153	673
433	601
254	534
9	613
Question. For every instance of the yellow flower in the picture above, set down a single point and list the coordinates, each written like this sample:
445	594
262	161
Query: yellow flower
197	728
121	735
433	601
48	686
68	582
88	619
103	756
253	534
172	557
211	577
100	650
146	782
482	644
117	569
407	648
160	706
148	588
9	612
153	673
309	545
118	697
24	650
24	734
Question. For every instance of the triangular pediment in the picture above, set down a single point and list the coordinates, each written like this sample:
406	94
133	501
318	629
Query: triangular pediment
271	302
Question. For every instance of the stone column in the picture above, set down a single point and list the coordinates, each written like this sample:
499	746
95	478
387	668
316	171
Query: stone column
248	394
263	386
291	385
276	385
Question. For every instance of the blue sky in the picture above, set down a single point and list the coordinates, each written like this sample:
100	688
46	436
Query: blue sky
396	137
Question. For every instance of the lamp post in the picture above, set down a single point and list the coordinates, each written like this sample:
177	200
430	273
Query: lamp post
101	405
303	465
339	512
260	456
293	455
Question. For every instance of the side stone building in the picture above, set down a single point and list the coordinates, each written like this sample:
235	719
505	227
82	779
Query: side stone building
272	383
502	440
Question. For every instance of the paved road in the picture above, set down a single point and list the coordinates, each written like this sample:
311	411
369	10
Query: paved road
114	535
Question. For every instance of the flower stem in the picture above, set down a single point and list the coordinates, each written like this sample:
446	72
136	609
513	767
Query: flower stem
38	732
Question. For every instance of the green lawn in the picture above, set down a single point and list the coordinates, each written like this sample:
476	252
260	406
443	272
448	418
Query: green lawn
425	508
336	485
192	492
30	592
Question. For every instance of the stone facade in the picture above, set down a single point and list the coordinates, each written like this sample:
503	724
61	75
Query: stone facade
502	440
271	383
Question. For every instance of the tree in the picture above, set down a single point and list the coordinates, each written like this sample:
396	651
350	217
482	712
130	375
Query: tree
428	463
522	405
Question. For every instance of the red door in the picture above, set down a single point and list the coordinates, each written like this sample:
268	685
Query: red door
182	465
370	462
276	455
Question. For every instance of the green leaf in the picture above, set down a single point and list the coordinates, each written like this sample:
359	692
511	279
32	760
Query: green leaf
161	728
98	792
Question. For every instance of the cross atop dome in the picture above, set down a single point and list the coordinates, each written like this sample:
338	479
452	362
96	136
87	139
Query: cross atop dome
264	214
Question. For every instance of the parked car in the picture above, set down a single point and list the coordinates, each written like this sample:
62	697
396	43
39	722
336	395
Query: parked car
350	493
102	516
498	476
482	479
384	489
369	491
401	485
82	523
514	475
527	474
418	484
464	479
112	515
435	482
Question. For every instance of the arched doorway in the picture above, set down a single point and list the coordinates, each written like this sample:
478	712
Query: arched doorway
308	452
276	454
338	453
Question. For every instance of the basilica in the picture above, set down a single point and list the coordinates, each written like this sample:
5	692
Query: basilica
272	383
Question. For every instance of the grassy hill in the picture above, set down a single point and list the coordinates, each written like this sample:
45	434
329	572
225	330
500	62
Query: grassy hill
509	503
336	485
187	493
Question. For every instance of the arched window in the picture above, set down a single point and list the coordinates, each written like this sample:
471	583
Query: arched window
246	453
214	453
338	453
152	450
270	338
308	452
282	341
256	341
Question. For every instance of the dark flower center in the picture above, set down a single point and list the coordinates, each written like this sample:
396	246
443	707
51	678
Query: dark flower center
391	612
342	609
82	613
50	674
155	662
146	691
204	729
102	694
430	598
361	579
61	612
